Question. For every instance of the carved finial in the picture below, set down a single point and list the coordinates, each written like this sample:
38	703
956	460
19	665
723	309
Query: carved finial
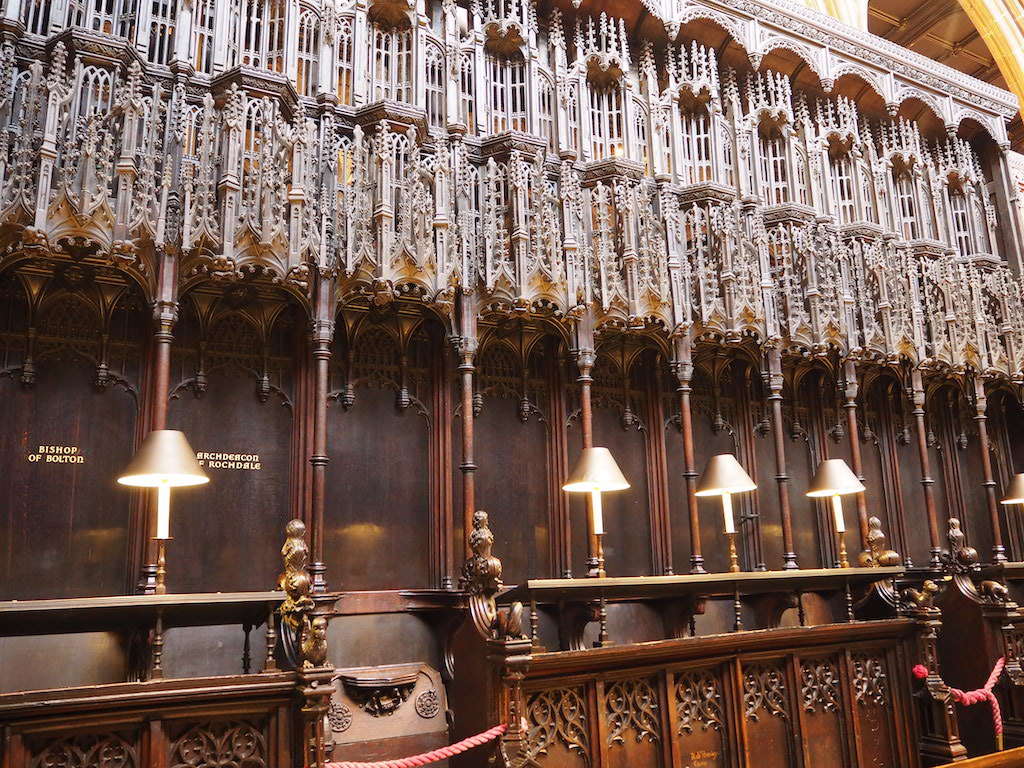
482	571
295	581
877	555
481	578
303	638
960	558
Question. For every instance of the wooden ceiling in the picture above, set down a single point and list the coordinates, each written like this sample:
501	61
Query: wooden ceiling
940	30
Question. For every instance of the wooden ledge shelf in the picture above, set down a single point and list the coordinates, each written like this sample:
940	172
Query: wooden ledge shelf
152	693
1013	571
705	647
127	612
711	585
397	601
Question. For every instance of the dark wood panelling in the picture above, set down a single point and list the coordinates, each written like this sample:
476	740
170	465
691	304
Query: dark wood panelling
713	433
378	484
69	414
627	542
700	718
510	446
873	709
821	712
768	715
802	456
233	398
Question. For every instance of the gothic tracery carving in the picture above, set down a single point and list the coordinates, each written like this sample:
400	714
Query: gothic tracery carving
631	708
558	716
699	701
764	691
220	745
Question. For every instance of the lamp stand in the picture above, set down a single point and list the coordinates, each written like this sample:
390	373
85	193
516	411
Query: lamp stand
161	567
147	579
843	562
595	564
734	563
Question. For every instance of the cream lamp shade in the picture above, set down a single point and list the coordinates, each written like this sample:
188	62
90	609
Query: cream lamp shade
164	459
595	470
834	478
723	475
594	473
1015	490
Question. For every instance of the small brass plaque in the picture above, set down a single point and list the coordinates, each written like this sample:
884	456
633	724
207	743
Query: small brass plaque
242	461
57	454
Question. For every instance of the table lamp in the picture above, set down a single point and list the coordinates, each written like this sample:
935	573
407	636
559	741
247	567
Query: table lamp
596	472
165	460
723	476
834	478
1015	490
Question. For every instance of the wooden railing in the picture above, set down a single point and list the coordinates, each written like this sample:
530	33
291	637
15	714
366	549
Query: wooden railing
1011	758
219	721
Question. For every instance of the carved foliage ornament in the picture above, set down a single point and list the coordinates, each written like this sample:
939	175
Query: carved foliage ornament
339	716
764	690
699	701
237	744
819	686
428	704
632	705
558	716
107	750
870	682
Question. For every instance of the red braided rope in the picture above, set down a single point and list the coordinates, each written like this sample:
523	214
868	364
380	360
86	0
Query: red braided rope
429	757
966	698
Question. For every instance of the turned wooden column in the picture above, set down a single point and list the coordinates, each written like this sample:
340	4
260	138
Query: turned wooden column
466	346
684	375
165	316
850	391
917	398
585	363
322	336
775	382
981	406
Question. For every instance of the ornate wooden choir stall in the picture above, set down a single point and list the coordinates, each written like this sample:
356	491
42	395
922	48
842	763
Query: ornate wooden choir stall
644	378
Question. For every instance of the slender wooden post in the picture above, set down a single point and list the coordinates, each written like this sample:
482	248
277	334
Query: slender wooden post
584	355
684	375
775	382
981	406
917	398
466	347
166	316
851	390
585	364
323	334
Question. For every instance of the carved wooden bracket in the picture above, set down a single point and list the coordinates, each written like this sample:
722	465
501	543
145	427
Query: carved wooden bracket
379	696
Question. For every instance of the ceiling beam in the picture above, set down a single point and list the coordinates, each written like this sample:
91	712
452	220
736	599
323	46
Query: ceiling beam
914	26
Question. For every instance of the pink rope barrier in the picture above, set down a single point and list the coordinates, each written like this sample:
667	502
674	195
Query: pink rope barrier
429	757
966	698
